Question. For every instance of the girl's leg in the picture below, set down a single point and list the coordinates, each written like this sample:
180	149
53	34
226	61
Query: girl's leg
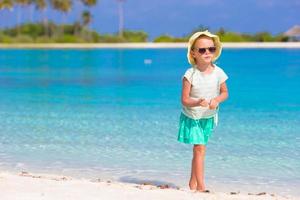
193	180
198	161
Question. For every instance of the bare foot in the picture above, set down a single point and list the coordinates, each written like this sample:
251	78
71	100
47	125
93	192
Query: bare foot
200	187
193	185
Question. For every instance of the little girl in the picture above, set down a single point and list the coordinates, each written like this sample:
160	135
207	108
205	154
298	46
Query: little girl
203	89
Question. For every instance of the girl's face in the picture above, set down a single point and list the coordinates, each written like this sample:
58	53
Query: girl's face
203	51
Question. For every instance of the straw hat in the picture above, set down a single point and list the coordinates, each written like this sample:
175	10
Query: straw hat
193	39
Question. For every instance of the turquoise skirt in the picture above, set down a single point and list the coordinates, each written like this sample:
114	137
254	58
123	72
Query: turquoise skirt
195	131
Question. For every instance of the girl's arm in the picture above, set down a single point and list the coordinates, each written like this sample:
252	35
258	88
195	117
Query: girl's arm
213	104
223	93
185	96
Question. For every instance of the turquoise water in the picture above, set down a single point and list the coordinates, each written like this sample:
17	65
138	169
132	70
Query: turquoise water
113	114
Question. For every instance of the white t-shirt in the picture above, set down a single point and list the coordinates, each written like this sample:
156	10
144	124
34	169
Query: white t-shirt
206	86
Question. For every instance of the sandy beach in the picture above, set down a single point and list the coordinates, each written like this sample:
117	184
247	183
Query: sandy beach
25	186
147	45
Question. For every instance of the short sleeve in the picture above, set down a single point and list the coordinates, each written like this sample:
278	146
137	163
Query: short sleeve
188	75
222	76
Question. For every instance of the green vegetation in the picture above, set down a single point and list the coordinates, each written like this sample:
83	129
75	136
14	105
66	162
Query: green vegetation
258	37
168	38
128	36
228	37
74	33
79	31
49	32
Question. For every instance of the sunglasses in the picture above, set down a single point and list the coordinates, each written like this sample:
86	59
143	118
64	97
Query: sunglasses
210	49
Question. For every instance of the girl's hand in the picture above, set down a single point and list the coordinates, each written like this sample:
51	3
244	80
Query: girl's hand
203	103
213	104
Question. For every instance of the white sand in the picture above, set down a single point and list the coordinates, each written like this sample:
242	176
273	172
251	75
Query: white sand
148	45
26	186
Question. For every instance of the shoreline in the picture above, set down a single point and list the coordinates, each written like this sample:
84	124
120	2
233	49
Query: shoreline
229	45
43	186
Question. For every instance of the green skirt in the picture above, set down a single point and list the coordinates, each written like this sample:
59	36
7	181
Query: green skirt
195	131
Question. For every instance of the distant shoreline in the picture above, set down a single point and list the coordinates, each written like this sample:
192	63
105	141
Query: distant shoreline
143	45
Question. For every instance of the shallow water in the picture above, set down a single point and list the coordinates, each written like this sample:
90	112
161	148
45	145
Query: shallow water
113	114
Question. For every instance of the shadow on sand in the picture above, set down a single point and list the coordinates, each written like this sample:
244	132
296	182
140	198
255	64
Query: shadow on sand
158	183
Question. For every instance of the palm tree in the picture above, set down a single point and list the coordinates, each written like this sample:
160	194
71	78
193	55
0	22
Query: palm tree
31	10
121	17
22	3
41	5
6	4
86	15
63	6
89	2
86	18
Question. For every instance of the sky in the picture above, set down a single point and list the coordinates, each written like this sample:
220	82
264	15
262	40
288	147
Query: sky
175	17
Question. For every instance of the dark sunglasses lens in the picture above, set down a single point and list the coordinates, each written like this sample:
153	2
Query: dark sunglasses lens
201	50
212	49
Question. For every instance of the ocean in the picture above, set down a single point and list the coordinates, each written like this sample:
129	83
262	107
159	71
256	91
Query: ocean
113	114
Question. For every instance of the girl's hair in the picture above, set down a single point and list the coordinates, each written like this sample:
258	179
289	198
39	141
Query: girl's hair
201	36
